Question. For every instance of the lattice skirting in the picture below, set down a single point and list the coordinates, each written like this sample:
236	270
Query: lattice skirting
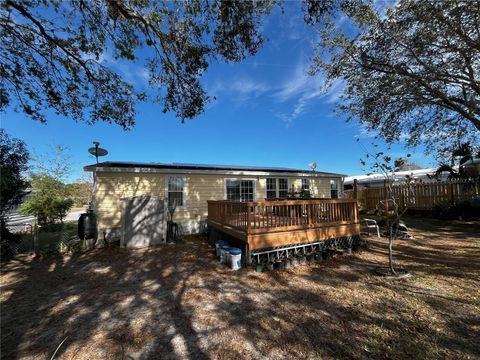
265	256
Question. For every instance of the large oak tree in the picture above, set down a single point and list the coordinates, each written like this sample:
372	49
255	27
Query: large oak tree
51	53
411	73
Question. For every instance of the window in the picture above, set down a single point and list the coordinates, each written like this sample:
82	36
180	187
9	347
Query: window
306	185
271	188
282	188
240	190
175	191
277	188
333	189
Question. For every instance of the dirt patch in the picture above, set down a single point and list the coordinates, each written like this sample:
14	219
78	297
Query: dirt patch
177	302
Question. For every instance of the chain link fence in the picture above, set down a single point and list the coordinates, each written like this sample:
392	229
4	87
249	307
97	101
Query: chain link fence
49	240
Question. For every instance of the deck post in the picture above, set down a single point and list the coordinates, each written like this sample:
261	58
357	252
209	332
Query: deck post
249	218
355	189
355	212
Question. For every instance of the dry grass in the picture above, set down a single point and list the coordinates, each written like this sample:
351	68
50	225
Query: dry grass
176	301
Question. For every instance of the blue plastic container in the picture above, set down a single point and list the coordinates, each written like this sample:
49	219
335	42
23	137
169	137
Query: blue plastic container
235	251
218	245
224	254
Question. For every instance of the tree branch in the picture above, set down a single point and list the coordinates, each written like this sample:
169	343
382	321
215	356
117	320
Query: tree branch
50	38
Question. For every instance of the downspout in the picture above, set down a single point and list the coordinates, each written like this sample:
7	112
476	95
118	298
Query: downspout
93	202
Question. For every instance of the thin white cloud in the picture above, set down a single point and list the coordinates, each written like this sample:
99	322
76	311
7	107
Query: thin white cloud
298	90
240	89
365	133
134	73
303	89
297	84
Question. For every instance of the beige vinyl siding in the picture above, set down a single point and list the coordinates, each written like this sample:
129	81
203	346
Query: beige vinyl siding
321	187
197	190
112	187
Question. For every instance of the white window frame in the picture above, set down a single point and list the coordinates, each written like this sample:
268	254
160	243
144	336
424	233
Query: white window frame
277	186
167	190
337	189
309	189
240	179
266	187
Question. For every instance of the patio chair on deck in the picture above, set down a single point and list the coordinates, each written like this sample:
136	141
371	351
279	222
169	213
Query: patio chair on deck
370	224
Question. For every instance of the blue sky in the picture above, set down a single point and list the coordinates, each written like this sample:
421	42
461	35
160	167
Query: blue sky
267	112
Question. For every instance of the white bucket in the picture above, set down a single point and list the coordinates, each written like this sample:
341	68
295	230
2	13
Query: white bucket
235	258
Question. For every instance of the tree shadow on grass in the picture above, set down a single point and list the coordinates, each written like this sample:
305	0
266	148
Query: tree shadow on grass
90	297
176	301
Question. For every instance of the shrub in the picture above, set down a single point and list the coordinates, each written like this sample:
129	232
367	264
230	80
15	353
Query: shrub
464	210
50	201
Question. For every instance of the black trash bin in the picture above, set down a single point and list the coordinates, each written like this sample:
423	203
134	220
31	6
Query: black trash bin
86	225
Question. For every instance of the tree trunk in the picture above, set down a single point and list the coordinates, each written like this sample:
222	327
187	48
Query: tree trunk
390	246
390	255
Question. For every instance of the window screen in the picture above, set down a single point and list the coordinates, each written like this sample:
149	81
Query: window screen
277	188
240	190
271	188
175	191
306	185
333	189
233	190
282	188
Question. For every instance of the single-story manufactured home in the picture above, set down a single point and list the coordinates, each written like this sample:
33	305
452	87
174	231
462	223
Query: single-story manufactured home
120	187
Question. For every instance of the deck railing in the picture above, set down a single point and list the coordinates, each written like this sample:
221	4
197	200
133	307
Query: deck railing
285	215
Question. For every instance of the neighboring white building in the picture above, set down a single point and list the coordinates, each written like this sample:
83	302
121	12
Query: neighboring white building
377	180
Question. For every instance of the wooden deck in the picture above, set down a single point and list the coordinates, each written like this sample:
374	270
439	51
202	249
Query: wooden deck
268	224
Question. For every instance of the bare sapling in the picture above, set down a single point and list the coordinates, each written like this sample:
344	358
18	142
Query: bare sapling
389	209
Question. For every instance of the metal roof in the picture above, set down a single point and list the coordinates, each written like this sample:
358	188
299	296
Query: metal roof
395	176
189	166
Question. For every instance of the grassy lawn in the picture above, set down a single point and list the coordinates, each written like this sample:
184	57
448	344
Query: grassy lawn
177	302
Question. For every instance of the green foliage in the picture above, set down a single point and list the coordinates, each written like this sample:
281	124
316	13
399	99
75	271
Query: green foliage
59	55
69	247
302	194
49	202
410	72
459	158
463	210
80	193
51	199
13	163
48	253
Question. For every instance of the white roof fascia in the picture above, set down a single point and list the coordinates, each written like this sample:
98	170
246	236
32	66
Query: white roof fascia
212	172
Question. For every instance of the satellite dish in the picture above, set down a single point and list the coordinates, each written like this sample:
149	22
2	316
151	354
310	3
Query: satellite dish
312	166
97	151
